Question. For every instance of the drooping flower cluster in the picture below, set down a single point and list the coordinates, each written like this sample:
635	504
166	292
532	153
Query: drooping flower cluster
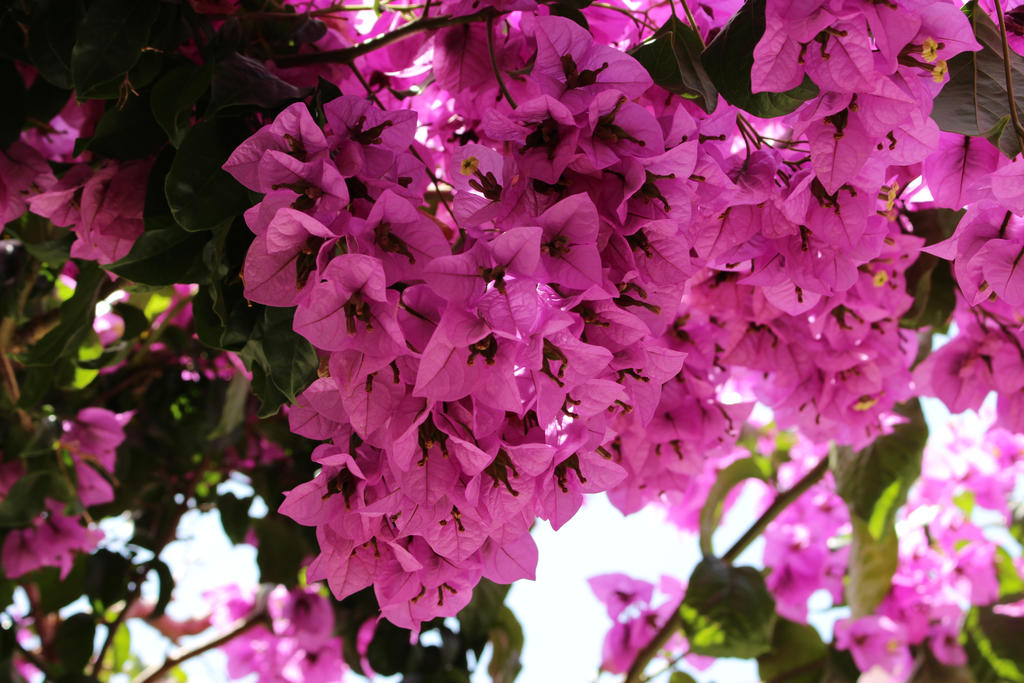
609	260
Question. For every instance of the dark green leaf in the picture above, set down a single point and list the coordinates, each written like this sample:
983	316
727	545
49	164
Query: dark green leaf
74	641
135	321
14	111
106	576
163	257
672	57
76	316
993	646
569	11
234	516
281	550
798	654
166	579
389	650
174	96
240	81
874	481
108	44
51	37
128	131
729	58
974	101
727	611
476	618
199	192
283	363
26	499
45	100
55	592
754	467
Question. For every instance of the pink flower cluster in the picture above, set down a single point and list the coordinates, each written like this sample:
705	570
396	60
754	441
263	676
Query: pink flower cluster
54	538
296	644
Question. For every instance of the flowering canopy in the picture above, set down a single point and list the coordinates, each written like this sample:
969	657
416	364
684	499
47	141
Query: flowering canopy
422	275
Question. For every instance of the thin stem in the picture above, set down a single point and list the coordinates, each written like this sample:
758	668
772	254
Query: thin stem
675	622
494	63
257	616
346	54
780	503
1008	73
691	20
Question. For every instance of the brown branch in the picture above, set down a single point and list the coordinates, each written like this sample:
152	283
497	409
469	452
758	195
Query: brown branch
675	622
346	54
1008	73
257	616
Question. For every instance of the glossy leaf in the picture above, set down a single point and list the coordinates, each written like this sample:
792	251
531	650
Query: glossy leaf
729	58
200	194
974	101
874	481
108	44
797	654
672	57
51	38
727	611
174	97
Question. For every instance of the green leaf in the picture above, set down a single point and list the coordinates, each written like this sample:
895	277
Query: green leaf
974	101
75	316
993	646
729	58
754	467
240	81
476	618
930	279
681	677
283	363
157	258
51	37
109	42
236	398
26	498
106	576
166	579
234	516
128	131
122	648
672	58
727	611
281	550
44	100
74	641
199	192
56	592
506	637
1010	581
14	111
389	650
174	96
872	564
797	655
874	481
